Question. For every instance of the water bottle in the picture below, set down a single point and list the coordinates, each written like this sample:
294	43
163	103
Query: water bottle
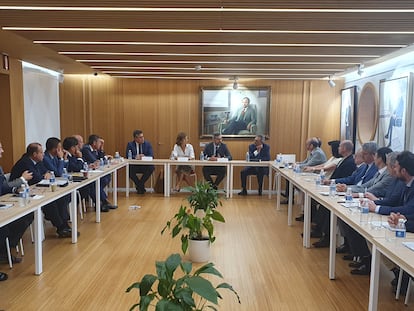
65	173
364	212
348	195
172	157
318	181
26	192
85	167
247	157
322	176
129	155
400	230
332	189
101	162
201	156
52	178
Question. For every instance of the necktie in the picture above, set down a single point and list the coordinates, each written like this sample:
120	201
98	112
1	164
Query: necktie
405	194
376	175
140	149
216	150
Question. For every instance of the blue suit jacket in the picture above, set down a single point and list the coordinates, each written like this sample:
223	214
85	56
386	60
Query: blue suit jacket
26	164
404	206
263	155
75	164
89	156
54	164
358	175
146	149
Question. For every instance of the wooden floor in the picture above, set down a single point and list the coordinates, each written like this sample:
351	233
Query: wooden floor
256	251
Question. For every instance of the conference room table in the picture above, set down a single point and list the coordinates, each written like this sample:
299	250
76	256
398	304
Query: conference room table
169	164
375	231
41	196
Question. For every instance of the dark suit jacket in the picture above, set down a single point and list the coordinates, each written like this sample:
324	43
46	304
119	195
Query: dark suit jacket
75	164
89	155
263	155
404	206
344	168
409	225
26	164
393	193
146	149
223	151
53	164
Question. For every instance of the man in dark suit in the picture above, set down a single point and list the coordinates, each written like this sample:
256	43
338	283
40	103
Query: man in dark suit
91	156
14	230
343	169
55	158
214	150
139	148
243	119
74	156
32	161
404	170
258	151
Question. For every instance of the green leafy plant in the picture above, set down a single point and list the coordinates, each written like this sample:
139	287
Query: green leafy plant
203	196
191	292
189	224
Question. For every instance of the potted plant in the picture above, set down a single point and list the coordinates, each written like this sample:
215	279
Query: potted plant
190	292
197	231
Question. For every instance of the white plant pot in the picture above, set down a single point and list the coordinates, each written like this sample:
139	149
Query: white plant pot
199	250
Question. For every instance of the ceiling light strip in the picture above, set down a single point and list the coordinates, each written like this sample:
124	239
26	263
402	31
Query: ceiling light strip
209	62
218	44
210	78
214	68
215	54
204	9
212	73
369	32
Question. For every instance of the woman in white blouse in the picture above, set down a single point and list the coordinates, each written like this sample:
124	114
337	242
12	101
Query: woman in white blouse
183	149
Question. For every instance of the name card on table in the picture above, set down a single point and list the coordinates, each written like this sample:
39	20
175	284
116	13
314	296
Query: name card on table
182	159
222	159
145	158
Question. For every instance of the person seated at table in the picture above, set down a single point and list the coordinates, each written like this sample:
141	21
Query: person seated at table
14	230
183	149
74	156
404	170
322	214
330	165
139	148
55	159
316	156
214	150
258	151
90	156
101	150
56	211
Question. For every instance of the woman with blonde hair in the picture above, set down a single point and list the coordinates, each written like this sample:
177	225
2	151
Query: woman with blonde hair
183	149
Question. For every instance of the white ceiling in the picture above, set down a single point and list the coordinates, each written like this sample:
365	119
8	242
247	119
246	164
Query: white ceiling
169	39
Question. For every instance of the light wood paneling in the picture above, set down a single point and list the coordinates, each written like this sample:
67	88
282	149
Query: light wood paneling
113	108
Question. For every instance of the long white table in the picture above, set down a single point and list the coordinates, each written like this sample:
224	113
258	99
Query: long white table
399	254
46	196
168	165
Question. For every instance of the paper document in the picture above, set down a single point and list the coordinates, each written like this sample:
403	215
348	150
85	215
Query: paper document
46	182
410	245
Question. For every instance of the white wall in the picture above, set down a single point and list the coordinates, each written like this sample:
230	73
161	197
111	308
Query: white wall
41	105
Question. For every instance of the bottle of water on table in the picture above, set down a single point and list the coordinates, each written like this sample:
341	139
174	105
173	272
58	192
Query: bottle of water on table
332	189
129	156
247	156
400	230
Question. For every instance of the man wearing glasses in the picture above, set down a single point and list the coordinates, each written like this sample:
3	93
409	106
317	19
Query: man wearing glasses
213	151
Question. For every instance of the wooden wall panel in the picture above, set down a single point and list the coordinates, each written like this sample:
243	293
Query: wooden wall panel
162	108
6	137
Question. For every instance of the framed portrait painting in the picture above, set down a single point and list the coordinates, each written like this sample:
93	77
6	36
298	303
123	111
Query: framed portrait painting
393	113
348	113
240	113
